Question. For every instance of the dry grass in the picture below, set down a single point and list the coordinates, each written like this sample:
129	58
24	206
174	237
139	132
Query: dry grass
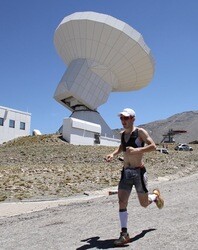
47	167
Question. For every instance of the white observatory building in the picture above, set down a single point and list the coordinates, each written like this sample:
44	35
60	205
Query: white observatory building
103	55
13	123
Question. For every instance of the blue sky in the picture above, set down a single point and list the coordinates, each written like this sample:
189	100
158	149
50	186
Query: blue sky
30	68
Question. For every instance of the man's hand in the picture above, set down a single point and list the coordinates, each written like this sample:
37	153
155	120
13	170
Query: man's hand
109	157
131	150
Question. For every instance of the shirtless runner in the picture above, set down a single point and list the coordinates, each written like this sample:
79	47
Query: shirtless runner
134	143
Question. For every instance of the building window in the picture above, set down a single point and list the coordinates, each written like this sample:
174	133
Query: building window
22	125
1	121
12	123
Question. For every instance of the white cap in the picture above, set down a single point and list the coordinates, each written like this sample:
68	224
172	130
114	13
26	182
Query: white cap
127	112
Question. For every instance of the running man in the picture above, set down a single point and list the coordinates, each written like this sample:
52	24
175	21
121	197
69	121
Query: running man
134	143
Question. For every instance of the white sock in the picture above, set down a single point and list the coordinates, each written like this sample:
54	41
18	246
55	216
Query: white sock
152	197
123	219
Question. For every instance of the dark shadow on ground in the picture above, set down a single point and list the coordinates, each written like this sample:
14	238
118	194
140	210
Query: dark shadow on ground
95	242
142	234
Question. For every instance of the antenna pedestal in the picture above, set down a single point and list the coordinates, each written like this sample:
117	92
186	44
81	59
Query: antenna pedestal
83	113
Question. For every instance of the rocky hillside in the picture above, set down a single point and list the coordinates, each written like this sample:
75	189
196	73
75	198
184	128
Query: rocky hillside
41	167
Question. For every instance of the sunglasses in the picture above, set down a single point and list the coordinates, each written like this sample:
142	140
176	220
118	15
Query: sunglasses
124	118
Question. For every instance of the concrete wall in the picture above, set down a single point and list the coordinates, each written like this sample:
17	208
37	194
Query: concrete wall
8	118
106	141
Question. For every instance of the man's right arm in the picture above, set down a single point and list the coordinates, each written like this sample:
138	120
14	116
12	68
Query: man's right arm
109	157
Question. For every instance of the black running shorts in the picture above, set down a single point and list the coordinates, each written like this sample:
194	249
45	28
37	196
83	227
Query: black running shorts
137	177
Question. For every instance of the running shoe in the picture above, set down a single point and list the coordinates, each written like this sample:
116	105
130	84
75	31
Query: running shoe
159	200
124	239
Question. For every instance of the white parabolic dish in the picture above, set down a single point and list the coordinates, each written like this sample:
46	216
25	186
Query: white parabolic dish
103	51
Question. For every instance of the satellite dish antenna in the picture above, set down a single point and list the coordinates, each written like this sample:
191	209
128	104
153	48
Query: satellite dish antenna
103	55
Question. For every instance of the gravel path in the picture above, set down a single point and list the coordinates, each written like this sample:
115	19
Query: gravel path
93	224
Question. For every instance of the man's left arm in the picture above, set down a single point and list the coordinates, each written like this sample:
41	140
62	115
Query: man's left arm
145	137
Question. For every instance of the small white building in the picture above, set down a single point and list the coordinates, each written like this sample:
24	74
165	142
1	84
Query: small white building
13	124
80	132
